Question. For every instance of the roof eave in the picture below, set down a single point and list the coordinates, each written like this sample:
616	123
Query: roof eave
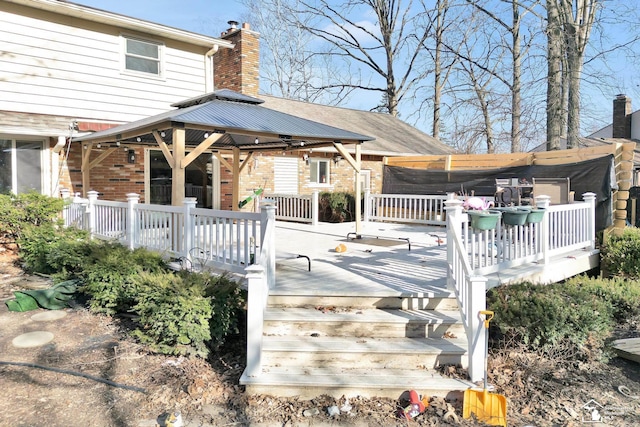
110	18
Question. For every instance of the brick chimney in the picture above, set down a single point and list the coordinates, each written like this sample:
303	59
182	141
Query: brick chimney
238	69
622	117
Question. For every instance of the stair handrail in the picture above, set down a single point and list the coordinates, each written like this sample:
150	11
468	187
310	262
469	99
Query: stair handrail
261	277
468	287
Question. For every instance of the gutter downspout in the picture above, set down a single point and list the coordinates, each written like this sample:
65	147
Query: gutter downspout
208	66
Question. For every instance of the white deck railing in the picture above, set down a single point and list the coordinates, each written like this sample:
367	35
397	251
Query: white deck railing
234	240
563	229
472	254
295	207
405	208
468	288
205	237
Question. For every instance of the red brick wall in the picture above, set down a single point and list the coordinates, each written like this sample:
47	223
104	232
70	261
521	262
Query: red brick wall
238	69
113	178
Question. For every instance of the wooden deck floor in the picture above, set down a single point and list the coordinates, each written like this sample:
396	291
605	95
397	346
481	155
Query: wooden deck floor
381	263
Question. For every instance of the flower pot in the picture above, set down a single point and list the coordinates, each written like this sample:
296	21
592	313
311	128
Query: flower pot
535	215
484	220
514	216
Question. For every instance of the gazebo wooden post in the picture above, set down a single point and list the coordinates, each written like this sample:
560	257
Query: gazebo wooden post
235	199
177	168
358	189
85	168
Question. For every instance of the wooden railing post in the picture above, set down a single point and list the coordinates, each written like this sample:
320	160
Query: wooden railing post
453	209
476	332
257	293
188	204
590	198
131	231
92	196
315	207
543	202
268	223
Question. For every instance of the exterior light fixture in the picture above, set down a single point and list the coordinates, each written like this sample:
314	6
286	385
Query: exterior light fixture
131	156
336	159
138	139
206	134
257	141
99	145
162	134
117	143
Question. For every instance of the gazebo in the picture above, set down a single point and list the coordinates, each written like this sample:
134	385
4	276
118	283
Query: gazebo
221	121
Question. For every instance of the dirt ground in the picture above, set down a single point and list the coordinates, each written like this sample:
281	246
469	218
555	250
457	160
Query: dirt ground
92	374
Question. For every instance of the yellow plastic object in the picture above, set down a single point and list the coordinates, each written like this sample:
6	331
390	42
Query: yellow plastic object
341	248
489	408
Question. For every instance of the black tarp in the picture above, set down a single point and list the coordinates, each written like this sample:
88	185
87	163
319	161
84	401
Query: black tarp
596	176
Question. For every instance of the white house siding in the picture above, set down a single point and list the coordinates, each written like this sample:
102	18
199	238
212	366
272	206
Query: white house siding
52	64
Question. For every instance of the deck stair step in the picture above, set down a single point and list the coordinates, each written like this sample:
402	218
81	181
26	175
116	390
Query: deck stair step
387	353
350	345
362	322
311	382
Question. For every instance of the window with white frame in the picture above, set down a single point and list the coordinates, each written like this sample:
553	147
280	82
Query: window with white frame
319	171
142	56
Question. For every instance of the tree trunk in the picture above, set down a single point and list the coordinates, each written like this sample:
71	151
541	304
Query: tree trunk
554	77
515	88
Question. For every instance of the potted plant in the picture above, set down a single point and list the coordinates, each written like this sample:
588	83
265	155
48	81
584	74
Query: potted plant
482	218
514	215
535	215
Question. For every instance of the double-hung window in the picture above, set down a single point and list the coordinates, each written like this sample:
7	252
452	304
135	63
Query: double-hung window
142	56
319	172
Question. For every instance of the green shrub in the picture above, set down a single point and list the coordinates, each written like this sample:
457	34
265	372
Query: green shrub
50	248
621	294
620	256
228	302
110	275
336	207
556	320
27	209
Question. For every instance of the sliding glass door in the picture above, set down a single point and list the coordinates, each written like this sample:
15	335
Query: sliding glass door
20	166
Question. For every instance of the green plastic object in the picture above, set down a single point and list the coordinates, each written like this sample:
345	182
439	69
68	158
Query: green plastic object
535	215
484	220
55	298
514	216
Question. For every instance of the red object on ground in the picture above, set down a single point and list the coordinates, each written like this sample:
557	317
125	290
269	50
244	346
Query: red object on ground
416	406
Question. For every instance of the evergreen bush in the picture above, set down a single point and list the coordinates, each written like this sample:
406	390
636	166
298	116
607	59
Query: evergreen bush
620	256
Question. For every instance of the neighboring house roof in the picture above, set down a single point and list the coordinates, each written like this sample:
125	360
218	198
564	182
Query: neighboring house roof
104	17
242	118
393	137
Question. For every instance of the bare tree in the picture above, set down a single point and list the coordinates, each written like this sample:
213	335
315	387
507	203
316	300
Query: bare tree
577	17
388	47
289	66
554	76
516	49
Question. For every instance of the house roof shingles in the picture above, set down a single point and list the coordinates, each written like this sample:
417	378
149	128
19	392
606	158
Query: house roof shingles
392	136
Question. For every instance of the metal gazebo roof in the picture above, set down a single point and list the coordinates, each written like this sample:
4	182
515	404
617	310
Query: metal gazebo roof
242	121
223	120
